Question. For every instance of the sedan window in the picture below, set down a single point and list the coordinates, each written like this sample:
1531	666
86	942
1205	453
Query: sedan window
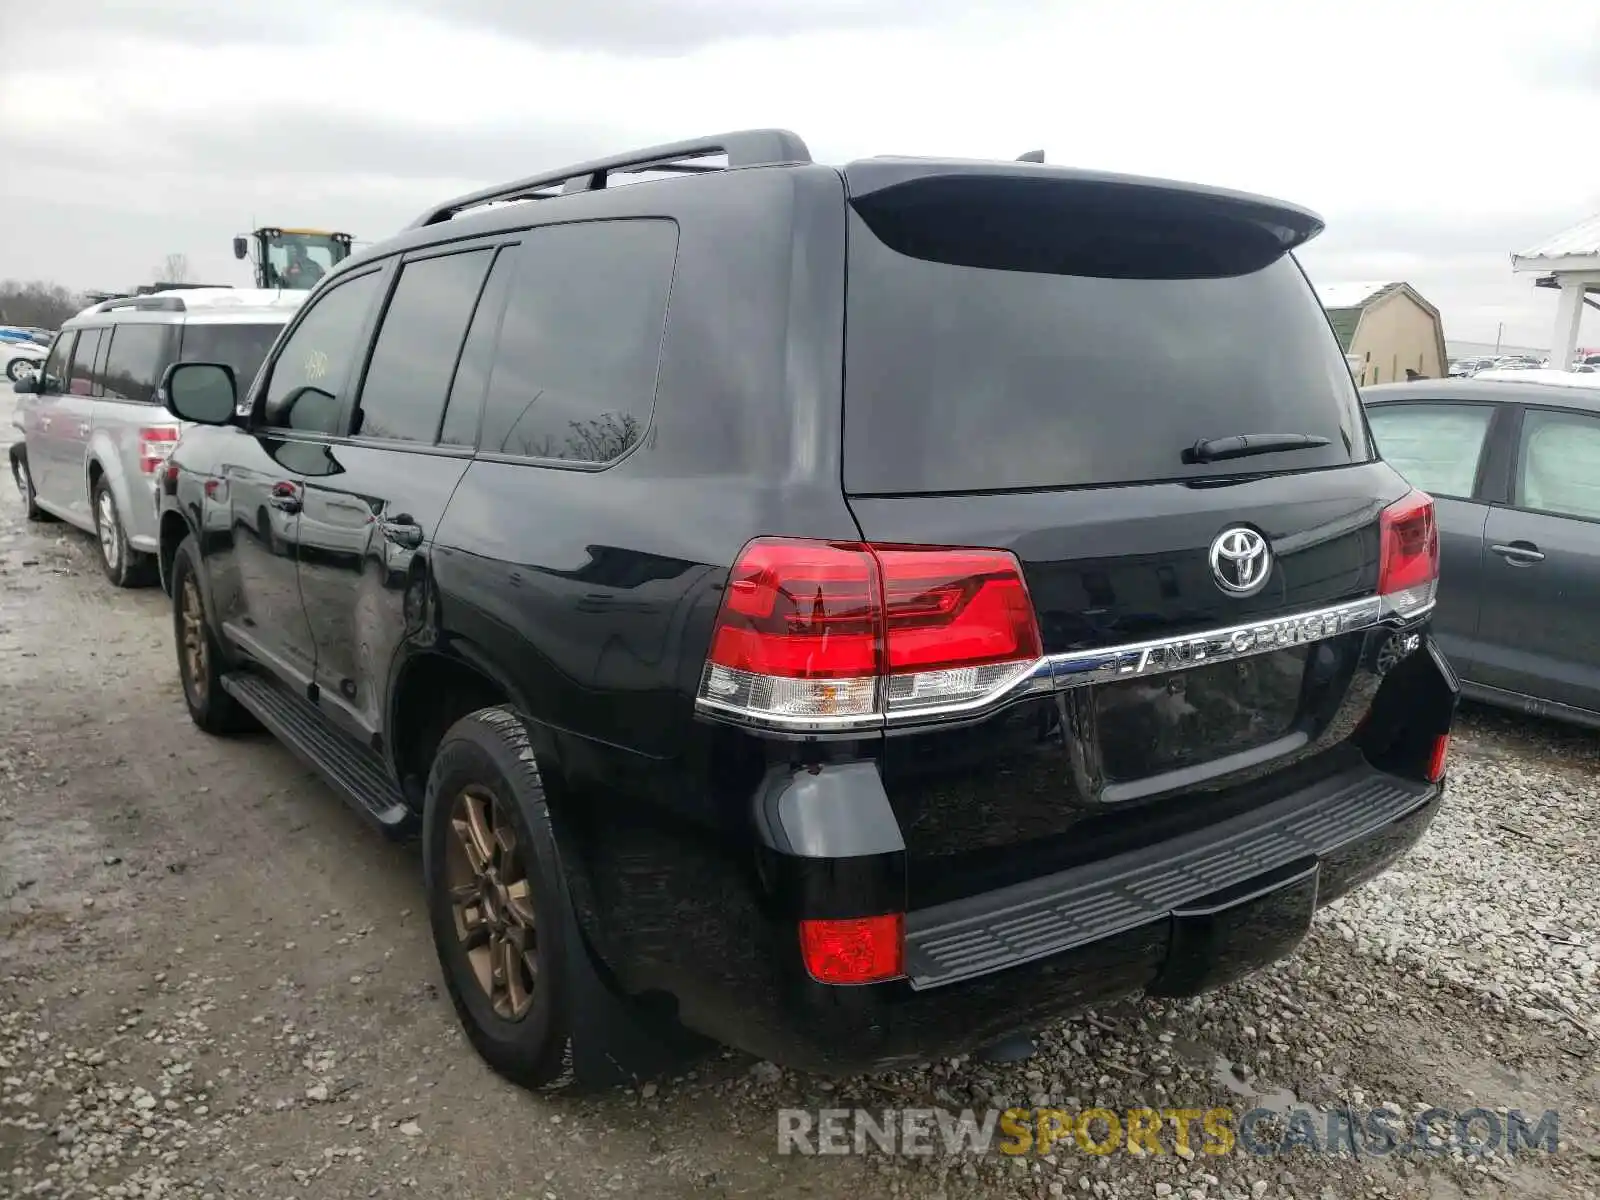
1558	468
1435	446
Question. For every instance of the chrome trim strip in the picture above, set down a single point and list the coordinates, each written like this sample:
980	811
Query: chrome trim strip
1228	644
1108	664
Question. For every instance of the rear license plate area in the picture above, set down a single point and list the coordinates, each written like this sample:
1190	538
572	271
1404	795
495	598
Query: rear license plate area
1226	935
1186	718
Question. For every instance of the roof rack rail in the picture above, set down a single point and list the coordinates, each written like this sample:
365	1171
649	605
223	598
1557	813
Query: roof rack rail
744	148
147	302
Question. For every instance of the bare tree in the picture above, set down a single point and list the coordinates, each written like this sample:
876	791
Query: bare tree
37	304
174	269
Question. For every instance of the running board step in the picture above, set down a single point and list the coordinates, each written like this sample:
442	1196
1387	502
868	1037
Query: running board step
355	772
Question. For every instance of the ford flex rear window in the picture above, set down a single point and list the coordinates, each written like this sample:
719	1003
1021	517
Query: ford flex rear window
242	347
1029	346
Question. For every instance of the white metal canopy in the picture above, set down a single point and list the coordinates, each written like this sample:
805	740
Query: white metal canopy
1570	263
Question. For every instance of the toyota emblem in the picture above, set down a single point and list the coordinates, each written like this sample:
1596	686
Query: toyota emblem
1240	561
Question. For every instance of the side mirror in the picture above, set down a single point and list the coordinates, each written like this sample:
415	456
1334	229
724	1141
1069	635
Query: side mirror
241	247
28	385
202	392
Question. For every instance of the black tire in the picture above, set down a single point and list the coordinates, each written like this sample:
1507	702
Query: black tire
124	566
18	367
24	481
490	750
210	706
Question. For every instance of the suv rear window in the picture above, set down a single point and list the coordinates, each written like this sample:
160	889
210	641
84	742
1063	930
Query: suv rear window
1092	369
240	346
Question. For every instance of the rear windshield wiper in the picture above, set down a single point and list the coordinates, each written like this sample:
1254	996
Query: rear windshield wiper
1244	445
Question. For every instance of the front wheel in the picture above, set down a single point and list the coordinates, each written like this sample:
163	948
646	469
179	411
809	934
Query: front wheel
210	705
20	368
496	898
23	478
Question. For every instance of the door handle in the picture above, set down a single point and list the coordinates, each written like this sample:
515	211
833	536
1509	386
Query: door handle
1520	554
285	497
402	531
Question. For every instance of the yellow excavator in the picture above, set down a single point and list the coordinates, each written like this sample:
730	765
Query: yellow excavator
291	258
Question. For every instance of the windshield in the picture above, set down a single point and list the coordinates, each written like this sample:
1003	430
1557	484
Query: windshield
242	347
300	259
969	378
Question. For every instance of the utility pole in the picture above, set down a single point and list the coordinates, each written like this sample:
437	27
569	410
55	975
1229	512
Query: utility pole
1498	331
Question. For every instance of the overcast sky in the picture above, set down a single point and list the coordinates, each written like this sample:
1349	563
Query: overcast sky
1436	136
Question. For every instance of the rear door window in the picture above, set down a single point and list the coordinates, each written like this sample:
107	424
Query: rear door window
1437	447
135	361
415	353
1099	363
80	379
243	347
1558	466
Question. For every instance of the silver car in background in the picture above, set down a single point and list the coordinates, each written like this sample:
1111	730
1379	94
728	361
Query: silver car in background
94	435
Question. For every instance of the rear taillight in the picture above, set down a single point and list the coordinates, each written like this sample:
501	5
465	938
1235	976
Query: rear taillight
155	444
1408	564
839	634
1437	757
855	949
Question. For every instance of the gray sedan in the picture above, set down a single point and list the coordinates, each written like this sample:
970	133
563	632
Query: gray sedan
1514	469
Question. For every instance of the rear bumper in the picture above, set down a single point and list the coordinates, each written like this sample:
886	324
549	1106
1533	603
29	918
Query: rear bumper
1179	918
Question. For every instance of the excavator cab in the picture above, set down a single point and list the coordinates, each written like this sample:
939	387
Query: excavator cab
291	258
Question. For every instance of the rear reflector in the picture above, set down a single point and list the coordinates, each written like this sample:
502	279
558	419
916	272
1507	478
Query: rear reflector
854	950
1408	564
1437	757
155	444
836	634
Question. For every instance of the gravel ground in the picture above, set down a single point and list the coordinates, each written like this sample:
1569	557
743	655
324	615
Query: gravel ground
214	981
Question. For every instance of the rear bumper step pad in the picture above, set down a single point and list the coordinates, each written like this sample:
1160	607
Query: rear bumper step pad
965	938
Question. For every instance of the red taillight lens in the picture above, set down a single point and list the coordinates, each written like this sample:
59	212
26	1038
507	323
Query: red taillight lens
155	444
1437	757
825	633
801	610
854	950
1408	564
955	608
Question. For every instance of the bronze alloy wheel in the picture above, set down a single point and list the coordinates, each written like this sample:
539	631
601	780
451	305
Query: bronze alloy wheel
194	639
491	897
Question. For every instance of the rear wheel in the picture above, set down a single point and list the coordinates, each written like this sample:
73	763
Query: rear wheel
210	706
496	898
19	368
23	478
124	565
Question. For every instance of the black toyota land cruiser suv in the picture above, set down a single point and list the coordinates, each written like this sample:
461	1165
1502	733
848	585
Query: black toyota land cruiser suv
850	614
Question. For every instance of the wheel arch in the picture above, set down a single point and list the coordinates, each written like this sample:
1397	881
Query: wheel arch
174	527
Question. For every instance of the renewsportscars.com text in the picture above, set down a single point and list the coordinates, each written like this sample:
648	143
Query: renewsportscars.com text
1186	1132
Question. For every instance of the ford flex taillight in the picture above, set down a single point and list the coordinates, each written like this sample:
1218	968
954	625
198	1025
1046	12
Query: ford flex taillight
841	634
155	444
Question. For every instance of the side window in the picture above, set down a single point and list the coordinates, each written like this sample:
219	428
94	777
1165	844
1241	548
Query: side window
138	355
55	366
1558	464
414	355
574	374
80	379
309	376
461	414
1435	446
